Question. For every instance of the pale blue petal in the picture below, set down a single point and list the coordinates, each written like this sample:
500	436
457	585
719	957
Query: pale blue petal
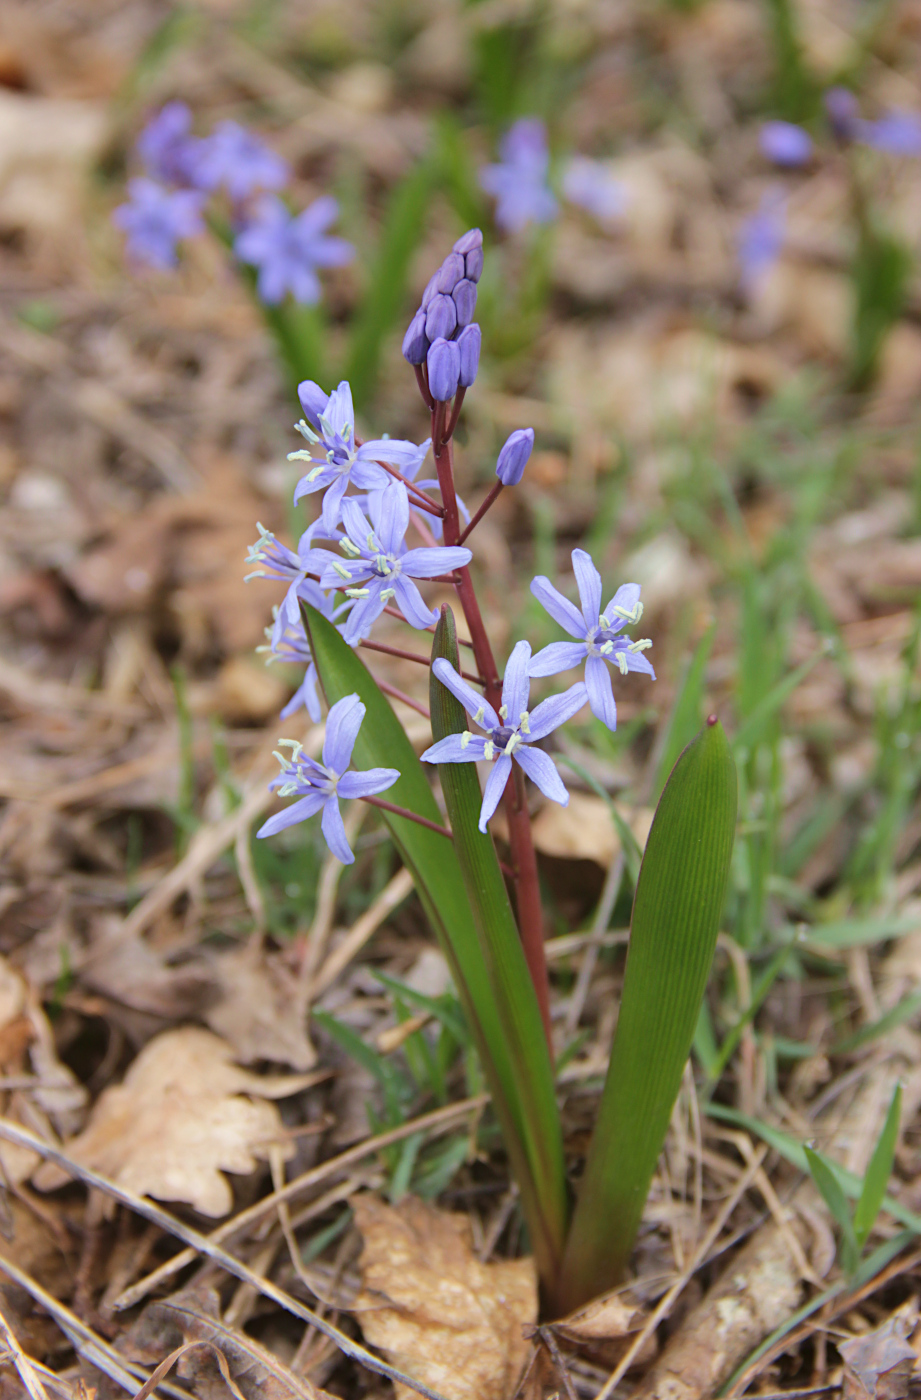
473	702
339	413
541	769
298	812
308	484
306	695
626	597
411	603
589	582
356	526
550	714
495	786
397	451
368	782
364	614
332	502
516	684
334	831
429	563
368	476
558	656
600	692
559	608
394	519
342	725
452	749
636	661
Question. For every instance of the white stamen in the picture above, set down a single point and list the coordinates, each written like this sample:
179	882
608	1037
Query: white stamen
605	649
513	743
341	570
503	711
388	593
524	722
622	663
603	622
641	644
489	749
465	738
478	717
357	592
348	547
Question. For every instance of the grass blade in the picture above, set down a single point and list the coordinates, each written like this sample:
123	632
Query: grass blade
684	720
543	1187
878	1172
834	1197
433	862
676	912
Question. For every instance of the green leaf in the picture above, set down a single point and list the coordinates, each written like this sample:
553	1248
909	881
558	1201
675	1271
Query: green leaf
532	1136
759	993
878	1172
676	913
543	1190
385	295
903	1011
881	272
834	1197
750	732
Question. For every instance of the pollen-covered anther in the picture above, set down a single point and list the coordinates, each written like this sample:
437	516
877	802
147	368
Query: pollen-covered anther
465	738
622	663
357	592
641	644
489	749
341	570
348	547
606	648
388	593
478	717
524	722
503	711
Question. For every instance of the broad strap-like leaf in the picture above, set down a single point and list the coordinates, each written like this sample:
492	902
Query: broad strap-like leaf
543	1185
433	862
676	913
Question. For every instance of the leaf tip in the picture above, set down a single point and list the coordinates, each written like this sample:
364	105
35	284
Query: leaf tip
711	720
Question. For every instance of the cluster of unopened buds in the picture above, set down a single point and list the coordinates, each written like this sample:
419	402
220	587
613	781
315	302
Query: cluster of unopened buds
354	564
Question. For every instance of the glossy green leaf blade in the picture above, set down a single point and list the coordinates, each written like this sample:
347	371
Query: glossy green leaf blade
676	912
878	1172
834	1197
434	865
542	1178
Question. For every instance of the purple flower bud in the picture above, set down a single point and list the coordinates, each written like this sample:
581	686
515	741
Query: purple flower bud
444	369
450	273
469	242
841	110
415	341
313	401
514	456
474	264
440	318
464	298
468	344
785	143
431	289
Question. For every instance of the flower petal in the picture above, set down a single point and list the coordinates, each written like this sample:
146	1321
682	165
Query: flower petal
600	691
334	831
368	782
310	483
559	608
516	683
495	786
473	702
626	599
364	614
411	604
452	749
397	451
306	695
394	520
429	563
589	582
356	526
342	725
339	414
541	769
550	714
368	476
636	661
298	812
558	656
332	502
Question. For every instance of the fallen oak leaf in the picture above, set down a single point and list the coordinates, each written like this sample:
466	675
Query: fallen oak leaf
182	1116
879	1364
259	1010
439	1313
600	1330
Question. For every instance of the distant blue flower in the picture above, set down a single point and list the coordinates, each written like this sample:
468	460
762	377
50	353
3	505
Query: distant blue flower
897	133
843	113
590	185
155	219
785	143
276	561
319	786
378	567
510	734
289	248
167	147
518	182
761	238
233	157
599	635
329	426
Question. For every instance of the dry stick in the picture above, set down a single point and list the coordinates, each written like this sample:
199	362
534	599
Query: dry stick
609	893
438	1118
416	656
317	937
12	1132
665	1303
23	1363
83	1339
524	859
167	1364
393	893
410	816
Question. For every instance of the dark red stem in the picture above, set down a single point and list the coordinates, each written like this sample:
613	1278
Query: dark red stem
422	381
410	816
493	495
423	501
414	656
458	405
401	695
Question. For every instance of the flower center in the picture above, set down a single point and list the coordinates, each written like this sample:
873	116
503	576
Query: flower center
506	739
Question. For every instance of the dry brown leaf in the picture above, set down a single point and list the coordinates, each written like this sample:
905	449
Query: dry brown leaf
878	1365
181	1117
437	1312
259	1011
602	1330
584	830
133	972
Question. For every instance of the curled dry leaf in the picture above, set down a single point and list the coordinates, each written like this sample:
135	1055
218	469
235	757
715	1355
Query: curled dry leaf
879	1365
259	1010
601	1331
183	1115
436	1311
584	830
132	971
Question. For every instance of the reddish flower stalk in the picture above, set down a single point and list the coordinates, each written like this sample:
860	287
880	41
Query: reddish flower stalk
410	816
